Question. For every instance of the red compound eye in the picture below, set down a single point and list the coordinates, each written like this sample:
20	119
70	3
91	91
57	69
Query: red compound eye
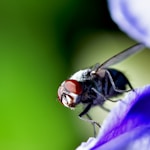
73	86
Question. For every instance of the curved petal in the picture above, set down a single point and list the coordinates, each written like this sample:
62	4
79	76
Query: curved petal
138	138
132	16
127	125
133	111
87	145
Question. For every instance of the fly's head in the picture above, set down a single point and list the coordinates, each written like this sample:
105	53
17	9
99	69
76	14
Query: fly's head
69	91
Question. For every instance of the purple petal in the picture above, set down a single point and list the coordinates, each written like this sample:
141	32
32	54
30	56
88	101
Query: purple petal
132	16
128	124
138	138
87	145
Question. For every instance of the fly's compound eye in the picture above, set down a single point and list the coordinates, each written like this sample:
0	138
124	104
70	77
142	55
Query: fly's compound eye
68	92
73	86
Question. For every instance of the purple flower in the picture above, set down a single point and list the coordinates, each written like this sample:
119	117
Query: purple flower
127	126
132	16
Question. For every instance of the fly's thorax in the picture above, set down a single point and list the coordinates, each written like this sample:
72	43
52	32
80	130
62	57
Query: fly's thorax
99	100
88	95
82	75
95	91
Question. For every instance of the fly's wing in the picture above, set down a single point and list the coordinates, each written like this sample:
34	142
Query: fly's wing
122	55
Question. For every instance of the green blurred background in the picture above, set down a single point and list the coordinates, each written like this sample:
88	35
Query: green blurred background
41	44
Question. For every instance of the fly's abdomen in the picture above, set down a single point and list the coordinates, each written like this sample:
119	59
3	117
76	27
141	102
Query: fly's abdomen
119	80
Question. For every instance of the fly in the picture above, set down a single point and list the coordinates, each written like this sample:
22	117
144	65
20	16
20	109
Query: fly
93	86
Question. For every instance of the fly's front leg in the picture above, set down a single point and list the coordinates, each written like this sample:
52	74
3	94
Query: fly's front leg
85	110
89	119
94	124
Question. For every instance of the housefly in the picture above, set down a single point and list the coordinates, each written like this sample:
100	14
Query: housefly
93	86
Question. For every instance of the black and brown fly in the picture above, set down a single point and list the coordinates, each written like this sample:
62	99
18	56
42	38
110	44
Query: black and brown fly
93	86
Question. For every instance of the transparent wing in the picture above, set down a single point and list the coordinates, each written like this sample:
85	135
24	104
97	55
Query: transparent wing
122	55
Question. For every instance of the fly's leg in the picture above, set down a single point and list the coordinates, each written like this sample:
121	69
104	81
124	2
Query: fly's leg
89	119
104	108
85	110
104	98
94	124
114	86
